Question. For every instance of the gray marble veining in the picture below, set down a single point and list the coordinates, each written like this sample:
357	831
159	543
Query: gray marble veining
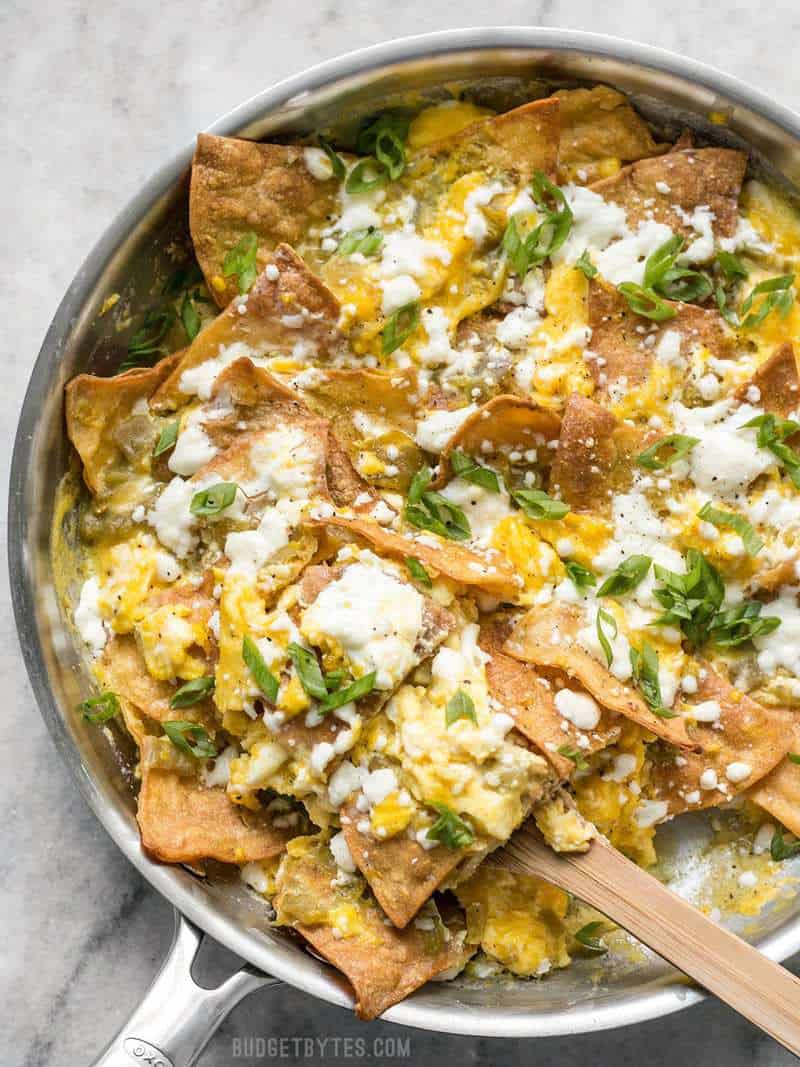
95	95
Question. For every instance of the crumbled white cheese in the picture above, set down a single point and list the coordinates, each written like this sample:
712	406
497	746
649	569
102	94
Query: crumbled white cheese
476	227
624	260
249	550
318	164
192	450
738	771
87	616
579	708
649	812
341	853
437	350
171	518
435	430
399	291
344	780
407	253
375	618
199	380
377	785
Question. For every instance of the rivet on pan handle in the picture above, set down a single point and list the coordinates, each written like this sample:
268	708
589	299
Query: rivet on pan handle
176	1017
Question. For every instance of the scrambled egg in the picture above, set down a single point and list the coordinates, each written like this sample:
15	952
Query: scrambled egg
516	919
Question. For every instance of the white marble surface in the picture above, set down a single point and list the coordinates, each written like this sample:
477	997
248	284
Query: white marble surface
94	96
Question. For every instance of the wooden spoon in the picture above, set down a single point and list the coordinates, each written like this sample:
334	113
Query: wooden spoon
762	991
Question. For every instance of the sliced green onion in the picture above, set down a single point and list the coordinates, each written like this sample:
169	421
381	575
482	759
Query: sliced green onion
399	327
580	576
449	829
644	664
189	317
587	939
190	738
366	242
308	671
241	261
626	577
366	175
257	665
778	295
192	692
538	505
646	303
101	708
585	265
752	542
357	689
470	470
606	618
418	572
575	755
336	161
213	500
677	445
167	437
460	706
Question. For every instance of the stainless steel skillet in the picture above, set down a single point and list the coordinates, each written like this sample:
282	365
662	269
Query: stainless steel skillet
495	65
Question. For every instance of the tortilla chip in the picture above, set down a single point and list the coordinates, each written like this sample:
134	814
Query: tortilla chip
491	573
277	314
595	456
546	637
599	128
181	821
382	964
401	873
693	177
626	354
751	734
371	411
123	671
505	424
527	694
241	187
779	791
345	484
512	145
777	383
110	438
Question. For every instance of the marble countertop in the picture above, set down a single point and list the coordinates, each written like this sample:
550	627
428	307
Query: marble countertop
95	97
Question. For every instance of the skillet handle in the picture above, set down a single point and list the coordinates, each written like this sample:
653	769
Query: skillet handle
177	1017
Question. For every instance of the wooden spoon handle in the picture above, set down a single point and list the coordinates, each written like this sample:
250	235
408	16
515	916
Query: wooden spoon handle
762	991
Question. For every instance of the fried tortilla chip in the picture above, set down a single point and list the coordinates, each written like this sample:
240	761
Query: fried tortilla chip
626	353
594	456
505	424
240	187
277	314
113	438
779	791
371	411
527	693
777	383
491	573
382	964
547	637
670	187
743	745
401	873
512	145
123	671
182	821
599	129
